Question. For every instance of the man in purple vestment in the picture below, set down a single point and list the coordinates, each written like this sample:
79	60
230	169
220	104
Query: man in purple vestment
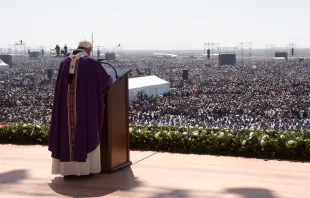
77	115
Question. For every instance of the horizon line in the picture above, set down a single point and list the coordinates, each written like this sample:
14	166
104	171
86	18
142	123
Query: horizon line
196	49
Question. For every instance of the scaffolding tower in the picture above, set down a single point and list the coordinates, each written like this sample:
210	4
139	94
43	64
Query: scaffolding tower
227	50
18	48
4	51
244	50
53	54
119	50
291	50
214	49
270	50
99	51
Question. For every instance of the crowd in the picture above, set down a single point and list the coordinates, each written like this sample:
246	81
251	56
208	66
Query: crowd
258	94
26	94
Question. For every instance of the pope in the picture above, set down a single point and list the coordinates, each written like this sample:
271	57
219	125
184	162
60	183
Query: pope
77	114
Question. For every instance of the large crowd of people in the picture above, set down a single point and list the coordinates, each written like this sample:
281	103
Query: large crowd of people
257	94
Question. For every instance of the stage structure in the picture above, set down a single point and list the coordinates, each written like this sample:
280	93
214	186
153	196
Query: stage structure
42	51
34	54
291	49
227	56
282	54
209	52
270	50
53	54
4	51
18	48
281	49
120	51
111	56
245	51
99	51
12	53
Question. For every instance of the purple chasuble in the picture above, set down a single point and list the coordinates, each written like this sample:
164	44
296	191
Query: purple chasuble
78	109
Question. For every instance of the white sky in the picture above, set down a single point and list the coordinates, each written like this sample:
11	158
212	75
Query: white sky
155	24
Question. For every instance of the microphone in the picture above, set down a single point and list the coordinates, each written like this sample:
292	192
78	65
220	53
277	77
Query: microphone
102	60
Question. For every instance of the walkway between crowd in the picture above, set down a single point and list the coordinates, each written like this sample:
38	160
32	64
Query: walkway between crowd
25	172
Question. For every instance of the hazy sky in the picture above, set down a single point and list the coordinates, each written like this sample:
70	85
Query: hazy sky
155	24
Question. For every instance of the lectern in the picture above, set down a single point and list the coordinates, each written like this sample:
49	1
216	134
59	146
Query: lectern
115	153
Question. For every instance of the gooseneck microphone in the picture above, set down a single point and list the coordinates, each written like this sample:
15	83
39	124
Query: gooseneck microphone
103	61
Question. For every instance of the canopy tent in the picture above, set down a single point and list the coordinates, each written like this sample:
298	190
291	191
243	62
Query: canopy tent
3	65
149	85
279	59
164	55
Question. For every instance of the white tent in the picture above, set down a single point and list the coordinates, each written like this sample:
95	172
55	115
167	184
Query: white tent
3	65
164	55
159	55
279	59
150	85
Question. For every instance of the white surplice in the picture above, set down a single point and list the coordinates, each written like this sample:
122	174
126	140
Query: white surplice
91	166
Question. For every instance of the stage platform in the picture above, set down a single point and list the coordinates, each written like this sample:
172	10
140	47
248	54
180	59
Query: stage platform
25	172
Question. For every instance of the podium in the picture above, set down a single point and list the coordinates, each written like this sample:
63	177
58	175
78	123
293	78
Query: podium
115	152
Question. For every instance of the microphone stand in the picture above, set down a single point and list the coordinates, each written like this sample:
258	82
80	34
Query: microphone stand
101	60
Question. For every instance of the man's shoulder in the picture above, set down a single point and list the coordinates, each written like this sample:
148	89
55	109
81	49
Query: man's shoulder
64	60
91	59
87	59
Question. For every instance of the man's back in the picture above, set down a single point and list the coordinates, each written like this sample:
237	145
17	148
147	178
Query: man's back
78	108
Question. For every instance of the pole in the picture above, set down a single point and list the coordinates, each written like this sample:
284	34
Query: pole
169	70
242	53
212	55
204	51
251	52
